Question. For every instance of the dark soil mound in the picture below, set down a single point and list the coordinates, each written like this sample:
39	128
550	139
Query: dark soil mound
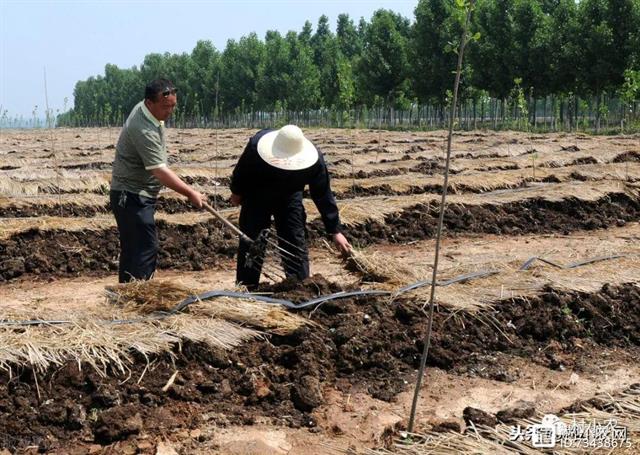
194	247
67	253
631	155
515	218
95	165
364	344
166	205
65	209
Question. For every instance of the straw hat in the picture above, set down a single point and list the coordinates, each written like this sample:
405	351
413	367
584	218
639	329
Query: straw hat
288	149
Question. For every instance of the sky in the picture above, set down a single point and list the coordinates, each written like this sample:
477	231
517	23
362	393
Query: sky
73	40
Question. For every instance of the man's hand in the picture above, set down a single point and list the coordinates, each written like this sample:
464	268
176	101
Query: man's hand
169	178
236	200
197	199
342	243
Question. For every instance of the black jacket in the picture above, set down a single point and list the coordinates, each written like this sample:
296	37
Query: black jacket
254	178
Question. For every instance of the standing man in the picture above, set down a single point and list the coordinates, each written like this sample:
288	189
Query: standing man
139	172
268	180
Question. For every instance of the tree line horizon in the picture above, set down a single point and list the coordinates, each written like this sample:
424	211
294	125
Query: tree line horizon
526	49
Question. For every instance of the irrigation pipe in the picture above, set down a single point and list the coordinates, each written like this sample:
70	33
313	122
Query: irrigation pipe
306	304
427	339
573	265
459	279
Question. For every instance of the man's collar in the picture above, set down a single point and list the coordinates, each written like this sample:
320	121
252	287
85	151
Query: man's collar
149	115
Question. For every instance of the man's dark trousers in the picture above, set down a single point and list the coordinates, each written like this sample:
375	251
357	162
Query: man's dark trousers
138	237
290	221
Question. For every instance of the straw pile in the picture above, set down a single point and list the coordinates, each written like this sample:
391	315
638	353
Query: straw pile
353	212
482	181
163	295
13	226
380	268
149	296
548	157
65	182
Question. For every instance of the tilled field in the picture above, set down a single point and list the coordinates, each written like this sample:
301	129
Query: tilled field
343	380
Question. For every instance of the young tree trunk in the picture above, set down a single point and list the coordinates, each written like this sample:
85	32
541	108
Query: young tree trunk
475	111
598	112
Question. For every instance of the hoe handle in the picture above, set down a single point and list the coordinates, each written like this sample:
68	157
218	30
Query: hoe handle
226	222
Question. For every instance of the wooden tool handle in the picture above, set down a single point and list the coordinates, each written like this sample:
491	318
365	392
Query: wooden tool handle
226	222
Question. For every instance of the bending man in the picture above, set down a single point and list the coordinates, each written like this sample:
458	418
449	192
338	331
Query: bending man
268	180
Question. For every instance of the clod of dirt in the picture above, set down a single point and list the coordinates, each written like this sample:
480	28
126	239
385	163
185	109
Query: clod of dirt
520	410
478	417
307	394
582	405
117	423
12	268
65	414
300	291
445	426
106	397
584	160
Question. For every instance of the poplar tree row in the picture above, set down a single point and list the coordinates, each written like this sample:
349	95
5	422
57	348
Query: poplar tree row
539	47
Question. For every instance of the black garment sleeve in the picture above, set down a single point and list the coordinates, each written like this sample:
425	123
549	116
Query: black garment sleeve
244	173
239	177
320	190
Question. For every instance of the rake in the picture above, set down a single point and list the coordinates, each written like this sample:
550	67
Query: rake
266	244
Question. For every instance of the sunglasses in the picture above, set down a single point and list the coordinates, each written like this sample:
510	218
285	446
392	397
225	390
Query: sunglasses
168	92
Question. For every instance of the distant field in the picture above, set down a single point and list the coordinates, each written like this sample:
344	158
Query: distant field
553	220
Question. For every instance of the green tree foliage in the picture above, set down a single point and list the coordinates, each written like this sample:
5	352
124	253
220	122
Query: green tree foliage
384	66
348	38
531	29
290	77
325	57
336	78
493	56
436	28
241	67
303	88
202	77
273	84
606	39
306	33
563	48
559	47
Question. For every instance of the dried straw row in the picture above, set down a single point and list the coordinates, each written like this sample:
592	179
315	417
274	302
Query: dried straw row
380	268
103	345
99	341
499	179
53	185
353	211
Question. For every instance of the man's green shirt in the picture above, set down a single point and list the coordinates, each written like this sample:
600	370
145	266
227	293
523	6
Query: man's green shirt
140	149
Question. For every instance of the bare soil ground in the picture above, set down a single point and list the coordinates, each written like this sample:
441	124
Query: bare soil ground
550	334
